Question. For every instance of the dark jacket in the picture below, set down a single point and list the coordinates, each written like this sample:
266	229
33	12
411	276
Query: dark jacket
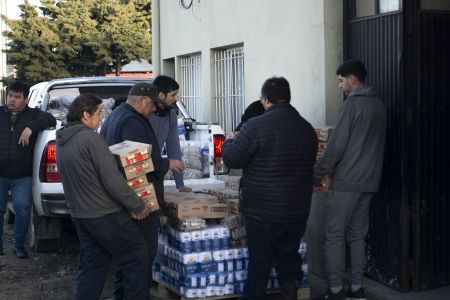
16	160
354	153
277	151
125	123
93	185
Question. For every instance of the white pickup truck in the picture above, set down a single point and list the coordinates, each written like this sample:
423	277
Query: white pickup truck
49	206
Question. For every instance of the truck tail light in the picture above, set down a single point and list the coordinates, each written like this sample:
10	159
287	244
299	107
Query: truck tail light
219	165
48	171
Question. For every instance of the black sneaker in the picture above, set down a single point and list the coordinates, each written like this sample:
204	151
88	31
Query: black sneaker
341	295
360	294
20	252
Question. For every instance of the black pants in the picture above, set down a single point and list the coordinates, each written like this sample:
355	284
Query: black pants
272	245
148	229
112	236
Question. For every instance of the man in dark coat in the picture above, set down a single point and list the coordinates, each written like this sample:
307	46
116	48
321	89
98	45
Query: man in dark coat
277	151
19	127
130	122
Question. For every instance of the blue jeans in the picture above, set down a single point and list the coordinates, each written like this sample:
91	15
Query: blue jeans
20	189
114	236
270	245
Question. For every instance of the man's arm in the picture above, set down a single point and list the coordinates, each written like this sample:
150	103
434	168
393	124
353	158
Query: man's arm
174	149
134	131
337	144
238	151
40	121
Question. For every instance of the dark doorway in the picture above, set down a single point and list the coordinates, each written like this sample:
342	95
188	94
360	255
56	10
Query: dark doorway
406	51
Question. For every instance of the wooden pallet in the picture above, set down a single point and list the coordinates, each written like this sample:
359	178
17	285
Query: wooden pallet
165	292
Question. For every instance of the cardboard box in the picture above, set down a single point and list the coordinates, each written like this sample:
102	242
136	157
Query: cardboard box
129	152
233	205
325	183
138	182
138	169
323	133
195	206
147	194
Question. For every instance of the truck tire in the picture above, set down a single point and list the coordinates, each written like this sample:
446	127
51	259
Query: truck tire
43	233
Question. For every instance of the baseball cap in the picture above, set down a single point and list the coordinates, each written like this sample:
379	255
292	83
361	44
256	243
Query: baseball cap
145	89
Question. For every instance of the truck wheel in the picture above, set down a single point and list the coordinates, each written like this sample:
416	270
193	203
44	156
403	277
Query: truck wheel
43	233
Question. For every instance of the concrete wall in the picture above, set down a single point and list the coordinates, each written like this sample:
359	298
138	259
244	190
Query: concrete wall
298	39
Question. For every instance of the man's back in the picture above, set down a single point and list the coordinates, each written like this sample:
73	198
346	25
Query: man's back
277	180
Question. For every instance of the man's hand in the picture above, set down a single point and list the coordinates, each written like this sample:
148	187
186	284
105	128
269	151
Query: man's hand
24	139
184	189
316	189
144	213
176	165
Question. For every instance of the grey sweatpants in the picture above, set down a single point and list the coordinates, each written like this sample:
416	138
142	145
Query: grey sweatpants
334	217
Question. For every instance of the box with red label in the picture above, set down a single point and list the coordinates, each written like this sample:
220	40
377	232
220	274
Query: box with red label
138	169
147	194
323	133
325	183
129	152
138	182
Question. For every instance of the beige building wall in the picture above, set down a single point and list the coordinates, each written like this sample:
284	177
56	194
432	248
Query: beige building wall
298	39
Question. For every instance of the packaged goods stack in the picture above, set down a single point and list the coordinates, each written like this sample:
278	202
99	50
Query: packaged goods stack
323	134
197	255
228	194
302	251
135	161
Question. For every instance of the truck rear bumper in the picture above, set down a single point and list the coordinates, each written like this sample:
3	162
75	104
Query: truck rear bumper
54	205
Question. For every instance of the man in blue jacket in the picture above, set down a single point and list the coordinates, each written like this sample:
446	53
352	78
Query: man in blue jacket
19	127
277	151
130	122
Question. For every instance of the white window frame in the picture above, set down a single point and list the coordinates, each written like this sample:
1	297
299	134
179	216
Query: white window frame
191	84
229	81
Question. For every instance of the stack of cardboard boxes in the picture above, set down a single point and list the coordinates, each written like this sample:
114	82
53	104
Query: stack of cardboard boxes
135	161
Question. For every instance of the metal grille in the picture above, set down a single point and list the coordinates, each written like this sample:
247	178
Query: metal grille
229	87
376	42
191	85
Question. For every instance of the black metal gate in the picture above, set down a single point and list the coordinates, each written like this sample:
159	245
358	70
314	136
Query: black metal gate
407	54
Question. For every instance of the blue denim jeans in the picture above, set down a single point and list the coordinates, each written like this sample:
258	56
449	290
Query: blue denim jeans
270	245
20	189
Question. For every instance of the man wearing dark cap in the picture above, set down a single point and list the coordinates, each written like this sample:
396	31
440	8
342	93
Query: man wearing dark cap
130	122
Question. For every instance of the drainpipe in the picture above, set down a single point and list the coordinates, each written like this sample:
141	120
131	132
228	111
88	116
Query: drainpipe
156	41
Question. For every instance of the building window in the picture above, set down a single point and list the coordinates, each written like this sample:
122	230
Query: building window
191	85
365	8
229	87
389	5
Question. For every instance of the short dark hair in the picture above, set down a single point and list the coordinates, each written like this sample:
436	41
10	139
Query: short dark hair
165	84
276	90
18	87
83	103
353	67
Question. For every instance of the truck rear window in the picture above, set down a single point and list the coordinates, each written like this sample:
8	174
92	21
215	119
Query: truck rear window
60	98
